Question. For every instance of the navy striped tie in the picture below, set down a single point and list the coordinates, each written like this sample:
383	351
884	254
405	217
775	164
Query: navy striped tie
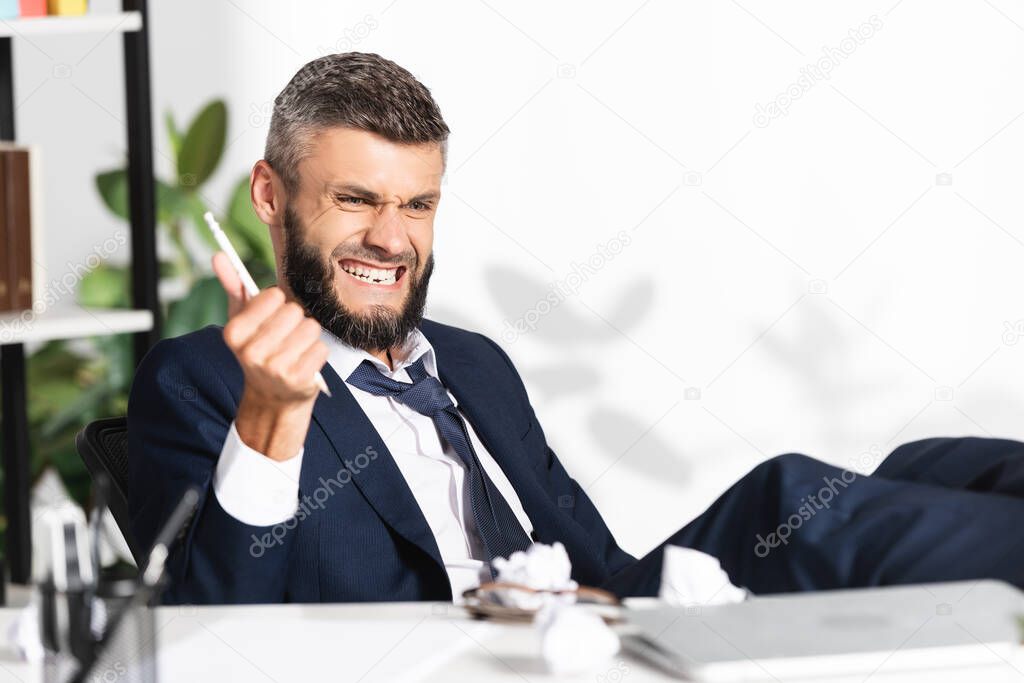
497	525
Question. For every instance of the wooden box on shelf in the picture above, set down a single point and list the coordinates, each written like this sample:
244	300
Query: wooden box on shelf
22	282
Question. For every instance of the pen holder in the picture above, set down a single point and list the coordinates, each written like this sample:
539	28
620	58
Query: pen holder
63	632
127	654
119	638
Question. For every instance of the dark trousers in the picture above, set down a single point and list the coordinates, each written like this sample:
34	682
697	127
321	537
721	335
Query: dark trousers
941	509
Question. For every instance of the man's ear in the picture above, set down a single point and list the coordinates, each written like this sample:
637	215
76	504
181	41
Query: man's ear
267	193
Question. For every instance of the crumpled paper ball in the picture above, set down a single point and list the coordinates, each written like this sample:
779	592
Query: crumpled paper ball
690	577
541	567
574	640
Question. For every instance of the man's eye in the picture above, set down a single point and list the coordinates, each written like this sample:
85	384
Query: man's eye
354	201
419	206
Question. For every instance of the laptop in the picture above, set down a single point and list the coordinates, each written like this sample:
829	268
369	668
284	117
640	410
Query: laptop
829	633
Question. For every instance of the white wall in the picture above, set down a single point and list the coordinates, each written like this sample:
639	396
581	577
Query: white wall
810	282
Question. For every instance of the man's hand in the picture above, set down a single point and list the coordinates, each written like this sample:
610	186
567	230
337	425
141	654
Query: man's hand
280	352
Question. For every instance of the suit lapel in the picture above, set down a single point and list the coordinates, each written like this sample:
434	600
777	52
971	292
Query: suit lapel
474	387
469	385
381	482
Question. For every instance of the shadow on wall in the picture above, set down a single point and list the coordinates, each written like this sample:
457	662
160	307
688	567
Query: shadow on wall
531	307
814	349
818	357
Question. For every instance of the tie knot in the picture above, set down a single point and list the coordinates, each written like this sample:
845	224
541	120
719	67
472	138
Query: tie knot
426	395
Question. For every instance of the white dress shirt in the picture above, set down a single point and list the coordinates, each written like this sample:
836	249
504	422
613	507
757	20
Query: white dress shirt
259	491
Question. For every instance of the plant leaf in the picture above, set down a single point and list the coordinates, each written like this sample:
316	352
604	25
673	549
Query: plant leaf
52	370
203	145
173	134
175	203
69	412
205	304
113	188
120	359
171	202
105	286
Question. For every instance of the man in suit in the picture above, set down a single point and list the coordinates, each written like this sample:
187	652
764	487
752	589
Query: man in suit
427	461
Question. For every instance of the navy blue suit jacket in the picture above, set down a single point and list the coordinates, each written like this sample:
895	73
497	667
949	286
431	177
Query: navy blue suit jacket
359	534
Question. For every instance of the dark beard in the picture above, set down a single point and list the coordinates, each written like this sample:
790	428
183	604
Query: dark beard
312	283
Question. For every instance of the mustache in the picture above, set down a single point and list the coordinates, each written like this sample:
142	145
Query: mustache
362	253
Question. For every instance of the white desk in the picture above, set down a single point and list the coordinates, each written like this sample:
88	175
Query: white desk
389	643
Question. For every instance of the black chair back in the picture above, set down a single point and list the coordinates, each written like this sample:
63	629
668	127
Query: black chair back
103	445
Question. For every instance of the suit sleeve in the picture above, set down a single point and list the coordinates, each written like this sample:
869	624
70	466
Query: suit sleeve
179	414
561	486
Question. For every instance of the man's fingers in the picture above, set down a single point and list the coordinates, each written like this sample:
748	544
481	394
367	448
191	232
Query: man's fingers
241	327
305	334
274	332
311	360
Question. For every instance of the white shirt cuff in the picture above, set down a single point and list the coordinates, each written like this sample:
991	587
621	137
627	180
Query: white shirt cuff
251	487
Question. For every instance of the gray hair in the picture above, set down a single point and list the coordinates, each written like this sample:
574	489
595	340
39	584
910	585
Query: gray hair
358	90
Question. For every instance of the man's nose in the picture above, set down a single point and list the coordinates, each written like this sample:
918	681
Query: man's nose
388	232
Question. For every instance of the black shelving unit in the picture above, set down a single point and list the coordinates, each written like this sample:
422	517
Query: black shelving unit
142	201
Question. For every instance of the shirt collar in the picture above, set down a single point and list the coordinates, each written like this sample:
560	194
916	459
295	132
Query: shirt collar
345	359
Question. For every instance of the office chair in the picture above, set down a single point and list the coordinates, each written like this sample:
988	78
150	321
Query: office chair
103	445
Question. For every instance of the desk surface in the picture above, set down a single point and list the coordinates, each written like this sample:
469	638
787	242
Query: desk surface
388	643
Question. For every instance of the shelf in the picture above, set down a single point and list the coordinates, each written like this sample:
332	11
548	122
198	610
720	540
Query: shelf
101	22
65	320
71	322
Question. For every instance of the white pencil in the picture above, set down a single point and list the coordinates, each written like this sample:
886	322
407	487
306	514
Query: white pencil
250	285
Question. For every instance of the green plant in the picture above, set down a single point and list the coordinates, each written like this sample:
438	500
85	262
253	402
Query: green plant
71	384
180	208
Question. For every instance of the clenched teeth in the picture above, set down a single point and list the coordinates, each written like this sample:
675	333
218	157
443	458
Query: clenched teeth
375	275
